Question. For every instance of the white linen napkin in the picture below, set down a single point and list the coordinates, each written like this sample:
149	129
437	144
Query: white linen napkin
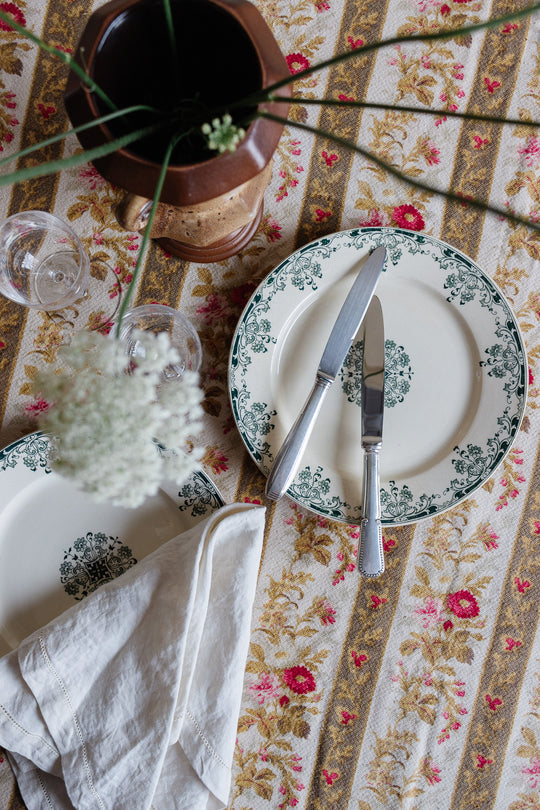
131	698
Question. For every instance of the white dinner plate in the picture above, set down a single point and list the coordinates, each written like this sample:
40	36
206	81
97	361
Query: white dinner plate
455	378
57	544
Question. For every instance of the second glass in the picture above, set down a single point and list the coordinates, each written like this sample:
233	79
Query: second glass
160	318
43	264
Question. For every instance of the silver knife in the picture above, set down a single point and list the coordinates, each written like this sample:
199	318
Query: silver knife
371	554
339	342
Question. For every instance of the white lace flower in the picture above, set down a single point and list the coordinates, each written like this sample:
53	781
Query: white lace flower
119	434
223	135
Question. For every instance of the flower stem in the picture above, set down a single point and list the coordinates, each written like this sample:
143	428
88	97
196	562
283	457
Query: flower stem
66	58
138	266
97	152
88	125
416	183
493	119
172	39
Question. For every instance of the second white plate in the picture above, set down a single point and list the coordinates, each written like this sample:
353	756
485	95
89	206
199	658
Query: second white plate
57	545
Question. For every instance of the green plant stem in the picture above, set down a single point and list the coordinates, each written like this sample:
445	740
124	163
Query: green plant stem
157	194
97	152
265	93
172	37
373	105
62	135
66	58
450	195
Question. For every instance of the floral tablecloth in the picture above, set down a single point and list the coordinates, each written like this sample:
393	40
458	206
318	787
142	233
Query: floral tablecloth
420	689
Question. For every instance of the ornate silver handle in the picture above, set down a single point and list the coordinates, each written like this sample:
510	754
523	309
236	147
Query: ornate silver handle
371	553
292	449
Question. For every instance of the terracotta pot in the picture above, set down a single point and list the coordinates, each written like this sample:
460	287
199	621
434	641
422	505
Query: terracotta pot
210	206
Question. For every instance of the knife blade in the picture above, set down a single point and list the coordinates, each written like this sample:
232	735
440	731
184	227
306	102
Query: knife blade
339	342
371	553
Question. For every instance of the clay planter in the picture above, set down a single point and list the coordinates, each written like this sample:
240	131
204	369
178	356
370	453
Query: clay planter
210	204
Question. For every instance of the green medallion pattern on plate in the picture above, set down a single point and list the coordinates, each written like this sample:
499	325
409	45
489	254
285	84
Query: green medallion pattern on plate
424	281
397	373
93	560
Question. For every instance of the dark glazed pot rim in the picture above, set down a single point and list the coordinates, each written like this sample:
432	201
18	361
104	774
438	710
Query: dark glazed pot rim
193	183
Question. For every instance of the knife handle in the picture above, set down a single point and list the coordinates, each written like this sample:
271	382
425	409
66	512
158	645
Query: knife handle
292	449
371	554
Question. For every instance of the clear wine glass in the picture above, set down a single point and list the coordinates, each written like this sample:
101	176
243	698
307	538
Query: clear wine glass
158	318
43	263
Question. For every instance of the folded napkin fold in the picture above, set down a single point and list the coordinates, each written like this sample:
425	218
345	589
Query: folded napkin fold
130	699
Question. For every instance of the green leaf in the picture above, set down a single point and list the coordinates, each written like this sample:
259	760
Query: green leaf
30	172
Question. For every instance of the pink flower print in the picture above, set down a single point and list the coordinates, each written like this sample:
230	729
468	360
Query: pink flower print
266	687
330	777
375	219
533	773
297	62
458	72
431	771
343	97
376	601
355	43
407	216
326	612
491	85
339	577
479	142
322	215
12	11
445	9
46	112
358	659
38	407
463	604
537	527
272	230
284	700
322	6
510	27
481	761
388	543
346	718
299	680
522	584
263	754
93	177
440	121
531	151
431	612
493	703
511	643
490	540
430	152
329	159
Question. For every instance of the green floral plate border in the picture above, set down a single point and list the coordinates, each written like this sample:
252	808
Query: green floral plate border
57	545
456	374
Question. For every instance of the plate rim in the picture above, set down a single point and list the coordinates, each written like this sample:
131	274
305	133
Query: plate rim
405	237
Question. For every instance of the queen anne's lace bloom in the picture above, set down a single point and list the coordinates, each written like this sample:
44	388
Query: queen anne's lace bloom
118	434
223	135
